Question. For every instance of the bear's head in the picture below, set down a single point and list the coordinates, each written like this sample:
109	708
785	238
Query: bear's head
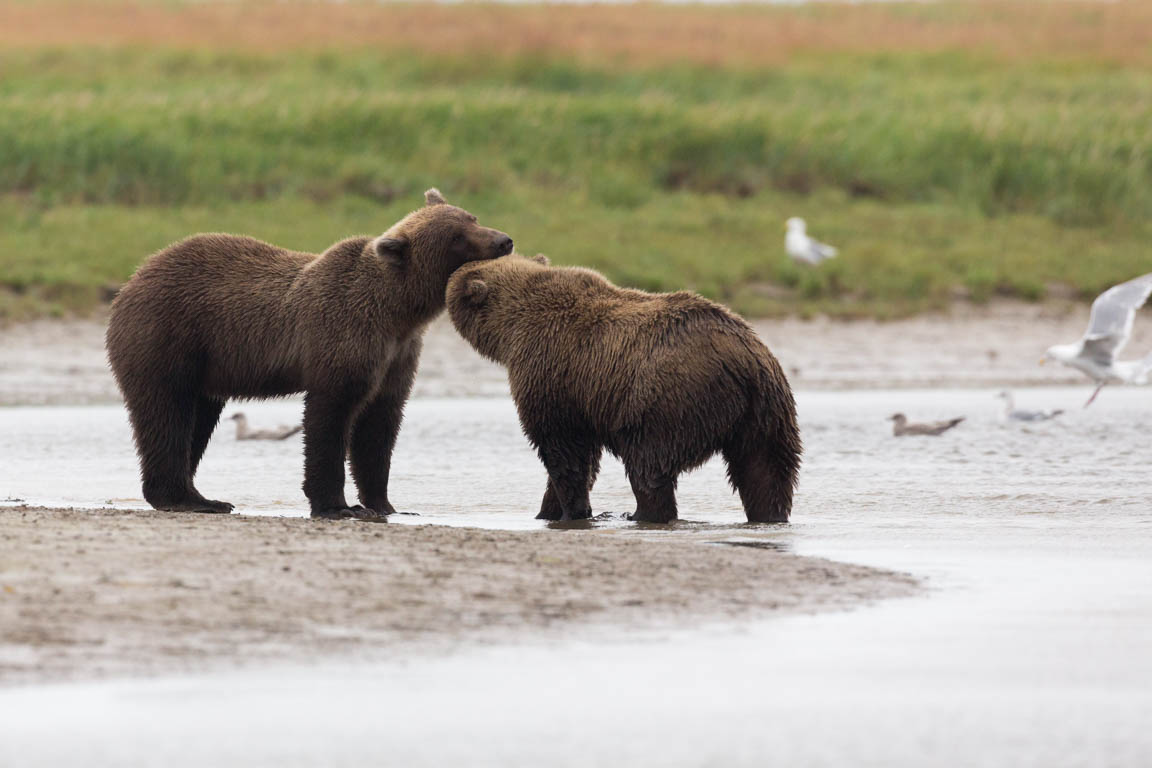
438	238
486	298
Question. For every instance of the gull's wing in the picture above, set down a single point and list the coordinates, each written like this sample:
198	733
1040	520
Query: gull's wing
803	248
944	426
823	250
1113	313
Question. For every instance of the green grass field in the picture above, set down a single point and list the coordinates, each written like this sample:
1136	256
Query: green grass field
937	173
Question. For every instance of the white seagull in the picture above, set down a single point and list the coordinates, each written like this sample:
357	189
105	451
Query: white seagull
803	248
1012	413
1109	328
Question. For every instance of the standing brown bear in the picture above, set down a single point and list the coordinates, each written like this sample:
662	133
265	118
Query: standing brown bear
663	381
219	316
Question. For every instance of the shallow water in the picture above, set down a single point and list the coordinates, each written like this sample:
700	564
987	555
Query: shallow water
463	461
1031	646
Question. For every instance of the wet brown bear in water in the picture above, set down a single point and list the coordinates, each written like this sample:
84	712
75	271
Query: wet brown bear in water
663	381
219	316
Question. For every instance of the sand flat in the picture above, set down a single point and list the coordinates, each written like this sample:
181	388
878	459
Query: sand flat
103	593
62	362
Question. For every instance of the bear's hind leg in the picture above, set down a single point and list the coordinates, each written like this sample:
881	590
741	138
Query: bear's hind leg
204	424
162	421
655	499
763	480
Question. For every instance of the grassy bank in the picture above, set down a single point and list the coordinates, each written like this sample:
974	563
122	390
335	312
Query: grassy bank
941	161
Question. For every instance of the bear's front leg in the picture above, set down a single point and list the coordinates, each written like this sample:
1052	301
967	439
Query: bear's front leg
655	499
376	429
550	507
373	439
572	465
327	425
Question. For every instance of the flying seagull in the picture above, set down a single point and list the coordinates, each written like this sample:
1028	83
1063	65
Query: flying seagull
1012	413
1109	328
803	248
244	433
901	427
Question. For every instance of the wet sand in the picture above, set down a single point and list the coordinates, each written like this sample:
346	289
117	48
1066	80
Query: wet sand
62	362
113	593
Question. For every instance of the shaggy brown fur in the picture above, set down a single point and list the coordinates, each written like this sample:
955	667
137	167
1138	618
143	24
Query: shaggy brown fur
219	316
663	381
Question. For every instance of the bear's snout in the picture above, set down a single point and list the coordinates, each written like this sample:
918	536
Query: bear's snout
502	245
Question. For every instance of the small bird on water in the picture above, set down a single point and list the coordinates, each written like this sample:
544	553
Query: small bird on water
1109	328
243	432
1012	413
803	248
901	427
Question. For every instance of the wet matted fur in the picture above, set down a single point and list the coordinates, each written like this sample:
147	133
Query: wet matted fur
220	316
663	381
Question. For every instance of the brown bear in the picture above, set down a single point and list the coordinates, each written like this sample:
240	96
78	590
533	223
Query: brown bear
663	381
218	316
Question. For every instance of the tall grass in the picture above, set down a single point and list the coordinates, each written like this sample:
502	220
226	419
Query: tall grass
753	35
921	161
175	128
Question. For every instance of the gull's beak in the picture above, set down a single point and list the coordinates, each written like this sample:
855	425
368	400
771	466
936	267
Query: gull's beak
1042	361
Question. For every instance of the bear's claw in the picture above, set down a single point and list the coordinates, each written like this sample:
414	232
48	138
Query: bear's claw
350	513
201	506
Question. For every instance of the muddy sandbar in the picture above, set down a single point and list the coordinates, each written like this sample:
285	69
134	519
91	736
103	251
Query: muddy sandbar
62	362
97	593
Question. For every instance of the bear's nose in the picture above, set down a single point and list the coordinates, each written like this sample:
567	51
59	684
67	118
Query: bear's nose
503	245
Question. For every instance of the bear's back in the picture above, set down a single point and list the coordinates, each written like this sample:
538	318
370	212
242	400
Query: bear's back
618	345
648	318
210	296
224	260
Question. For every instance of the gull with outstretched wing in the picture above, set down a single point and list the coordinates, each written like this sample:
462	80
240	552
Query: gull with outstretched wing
1109	328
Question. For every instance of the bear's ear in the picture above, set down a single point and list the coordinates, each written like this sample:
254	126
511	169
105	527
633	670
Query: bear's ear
433	197
393	249
541	259
476	292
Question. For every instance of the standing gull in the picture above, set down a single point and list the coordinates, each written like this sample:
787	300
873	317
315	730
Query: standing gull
1012	413
1109	328
901	427
803	248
